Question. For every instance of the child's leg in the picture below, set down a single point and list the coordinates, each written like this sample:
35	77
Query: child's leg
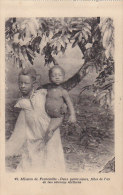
53	125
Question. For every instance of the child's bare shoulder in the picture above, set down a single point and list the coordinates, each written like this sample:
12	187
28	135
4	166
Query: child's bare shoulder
64	92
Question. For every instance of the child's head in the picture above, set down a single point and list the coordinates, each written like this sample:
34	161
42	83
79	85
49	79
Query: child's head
56	75
26	79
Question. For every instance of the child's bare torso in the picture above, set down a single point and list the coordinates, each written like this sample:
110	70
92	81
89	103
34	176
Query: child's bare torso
54	102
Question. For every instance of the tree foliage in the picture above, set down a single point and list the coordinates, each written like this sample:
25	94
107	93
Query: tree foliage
25	37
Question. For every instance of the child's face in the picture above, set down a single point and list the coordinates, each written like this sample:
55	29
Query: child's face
57	76
25	84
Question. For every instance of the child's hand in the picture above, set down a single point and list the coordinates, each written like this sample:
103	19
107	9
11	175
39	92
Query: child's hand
47	136
64	109
72	119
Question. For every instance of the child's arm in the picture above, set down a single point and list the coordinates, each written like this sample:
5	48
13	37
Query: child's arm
69	103
45	86
53	125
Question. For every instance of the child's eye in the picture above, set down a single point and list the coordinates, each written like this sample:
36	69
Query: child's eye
24	83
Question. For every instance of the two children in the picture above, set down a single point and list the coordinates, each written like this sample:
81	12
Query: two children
33	128
55	99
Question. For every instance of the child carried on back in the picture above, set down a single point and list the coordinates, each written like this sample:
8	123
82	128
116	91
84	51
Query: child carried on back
55	99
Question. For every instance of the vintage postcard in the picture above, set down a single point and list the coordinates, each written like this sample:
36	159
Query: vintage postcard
61	97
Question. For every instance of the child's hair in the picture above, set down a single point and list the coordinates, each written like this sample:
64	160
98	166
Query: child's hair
29	72
56	67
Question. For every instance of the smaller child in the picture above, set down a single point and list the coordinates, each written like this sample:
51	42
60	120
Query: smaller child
55	99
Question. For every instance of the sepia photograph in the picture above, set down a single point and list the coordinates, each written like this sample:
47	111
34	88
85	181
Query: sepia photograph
59	95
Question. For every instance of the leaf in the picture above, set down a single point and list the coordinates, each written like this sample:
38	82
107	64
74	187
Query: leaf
62	42
63	49
106	38
20	64
24	42
8	48
30	52
70	29
109	50
65	39
87	26
35	22
87	31
16	38
85	35
88	45
58	46
30	58
76	35
105	24
25	55
80	37
32	28
75	43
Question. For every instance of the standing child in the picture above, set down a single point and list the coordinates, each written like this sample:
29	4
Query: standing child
27	138
55	99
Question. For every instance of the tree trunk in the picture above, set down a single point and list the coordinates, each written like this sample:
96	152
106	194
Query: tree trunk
75	79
